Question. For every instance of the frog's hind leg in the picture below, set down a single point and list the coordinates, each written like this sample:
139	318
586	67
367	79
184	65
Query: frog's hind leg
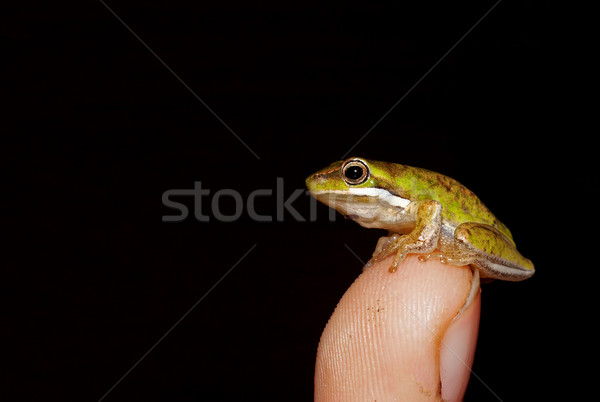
490	251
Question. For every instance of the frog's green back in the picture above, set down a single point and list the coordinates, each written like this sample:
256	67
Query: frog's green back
459	203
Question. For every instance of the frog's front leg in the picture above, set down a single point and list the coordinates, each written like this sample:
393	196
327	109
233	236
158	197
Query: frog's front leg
422	239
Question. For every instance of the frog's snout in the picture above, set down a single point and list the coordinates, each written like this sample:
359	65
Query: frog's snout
313	180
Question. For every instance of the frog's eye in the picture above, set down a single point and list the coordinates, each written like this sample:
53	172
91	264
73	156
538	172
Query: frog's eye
355	172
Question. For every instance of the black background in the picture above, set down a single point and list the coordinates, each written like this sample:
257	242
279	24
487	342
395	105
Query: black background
98	129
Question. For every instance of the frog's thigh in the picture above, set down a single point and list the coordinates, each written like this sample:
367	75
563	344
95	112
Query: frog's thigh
494	254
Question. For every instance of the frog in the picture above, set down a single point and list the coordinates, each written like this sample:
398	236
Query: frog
425	213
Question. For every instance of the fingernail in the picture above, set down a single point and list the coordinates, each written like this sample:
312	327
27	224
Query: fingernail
458	351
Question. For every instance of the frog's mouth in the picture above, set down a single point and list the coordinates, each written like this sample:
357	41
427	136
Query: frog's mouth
370	207
350	202
381	195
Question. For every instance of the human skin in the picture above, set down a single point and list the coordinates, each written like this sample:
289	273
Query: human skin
400	336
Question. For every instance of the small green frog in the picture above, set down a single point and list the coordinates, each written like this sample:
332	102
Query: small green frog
424	211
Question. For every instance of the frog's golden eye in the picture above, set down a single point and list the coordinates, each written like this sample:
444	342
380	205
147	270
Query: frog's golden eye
355	172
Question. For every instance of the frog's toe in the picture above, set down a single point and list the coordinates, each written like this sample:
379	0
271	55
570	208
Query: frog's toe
369	264
384	243
400	256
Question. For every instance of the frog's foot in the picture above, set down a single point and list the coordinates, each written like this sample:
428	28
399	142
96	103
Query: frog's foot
384	243
387	246
427	257
444	258
400	256
383	249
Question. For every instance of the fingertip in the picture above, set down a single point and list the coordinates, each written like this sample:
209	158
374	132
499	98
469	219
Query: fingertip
383	340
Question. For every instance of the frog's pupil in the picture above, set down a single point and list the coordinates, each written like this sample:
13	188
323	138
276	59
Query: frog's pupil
354	172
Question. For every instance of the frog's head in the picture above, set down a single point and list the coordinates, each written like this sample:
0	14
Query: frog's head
359	189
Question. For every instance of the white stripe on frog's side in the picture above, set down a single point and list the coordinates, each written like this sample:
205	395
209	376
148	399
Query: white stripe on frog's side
380	193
